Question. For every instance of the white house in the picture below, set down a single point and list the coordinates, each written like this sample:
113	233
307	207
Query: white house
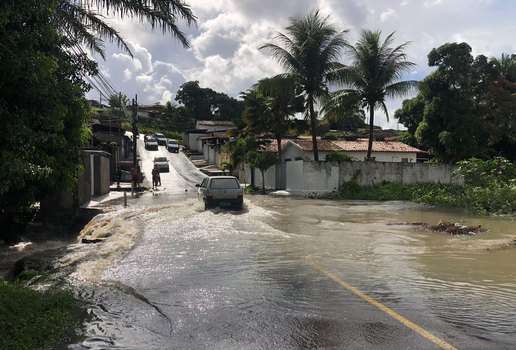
383	151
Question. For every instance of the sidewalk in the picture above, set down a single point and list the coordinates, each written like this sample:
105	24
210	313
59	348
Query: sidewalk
203	165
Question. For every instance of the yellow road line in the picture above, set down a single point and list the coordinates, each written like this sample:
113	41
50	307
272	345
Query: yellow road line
393	314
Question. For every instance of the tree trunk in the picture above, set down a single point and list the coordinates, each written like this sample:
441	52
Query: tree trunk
263	181
313	122
371	121
252	178
278	140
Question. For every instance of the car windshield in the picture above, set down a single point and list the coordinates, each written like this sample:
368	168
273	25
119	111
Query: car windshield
172	142
160	135
225	183
160	159
151	139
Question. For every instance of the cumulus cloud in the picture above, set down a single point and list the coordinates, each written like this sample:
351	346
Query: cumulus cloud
224	54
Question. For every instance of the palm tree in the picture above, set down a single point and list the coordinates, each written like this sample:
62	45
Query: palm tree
309	54
82	21
375	74
270	106
505	66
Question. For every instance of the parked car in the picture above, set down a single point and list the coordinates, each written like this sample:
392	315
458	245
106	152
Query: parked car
172	146
223	191
162	163
151	143
162	140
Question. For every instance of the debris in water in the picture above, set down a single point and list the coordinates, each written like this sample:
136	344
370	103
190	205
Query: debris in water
447	227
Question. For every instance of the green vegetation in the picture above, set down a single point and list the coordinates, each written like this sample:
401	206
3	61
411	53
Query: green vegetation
374	75
489	188
465	108
33	320
42	104
270	107
339	157
43	110
310	54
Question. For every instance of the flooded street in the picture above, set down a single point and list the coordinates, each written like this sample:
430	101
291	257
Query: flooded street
173	276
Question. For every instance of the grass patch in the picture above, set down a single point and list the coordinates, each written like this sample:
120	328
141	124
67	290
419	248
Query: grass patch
496	199
30	319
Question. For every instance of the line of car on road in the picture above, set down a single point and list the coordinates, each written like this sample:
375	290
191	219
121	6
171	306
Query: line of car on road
214	191
153	141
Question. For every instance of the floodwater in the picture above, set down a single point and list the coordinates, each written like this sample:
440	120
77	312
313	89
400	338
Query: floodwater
172	276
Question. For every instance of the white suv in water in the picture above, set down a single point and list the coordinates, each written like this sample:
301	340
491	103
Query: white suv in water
223	191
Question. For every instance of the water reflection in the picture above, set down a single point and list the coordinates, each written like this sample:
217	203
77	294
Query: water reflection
188	278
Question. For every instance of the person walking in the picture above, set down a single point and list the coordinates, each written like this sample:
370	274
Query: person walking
135	177
156	181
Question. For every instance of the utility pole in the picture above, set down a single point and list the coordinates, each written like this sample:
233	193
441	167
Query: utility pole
135	131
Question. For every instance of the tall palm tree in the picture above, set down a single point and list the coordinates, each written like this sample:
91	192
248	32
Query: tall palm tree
83	20
375	73
309	54
271	105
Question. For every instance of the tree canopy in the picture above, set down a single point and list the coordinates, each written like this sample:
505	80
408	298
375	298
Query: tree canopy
42	108
270	108
83	22
466	107
310	53
207	104
375	74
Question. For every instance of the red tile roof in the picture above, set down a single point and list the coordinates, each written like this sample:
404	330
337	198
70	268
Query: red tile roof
359	145
378	146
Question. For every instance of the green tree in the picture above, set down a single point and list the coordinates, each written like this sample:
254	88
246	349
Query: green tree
84	22
451	129
375	74
263	161
42	108
310	54
207	104
505	66
271	106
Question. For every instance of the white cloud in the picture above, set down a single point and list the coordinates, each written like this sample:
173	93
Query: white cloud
432	2
224	53
388	14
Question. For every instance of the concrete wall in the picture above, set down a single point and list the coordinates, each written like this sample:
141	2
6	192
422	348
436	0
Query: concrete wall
190	141
303	178
311	177
270	177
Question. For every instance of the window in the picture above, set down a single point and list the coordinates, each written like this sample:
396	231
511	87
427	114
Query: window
224	183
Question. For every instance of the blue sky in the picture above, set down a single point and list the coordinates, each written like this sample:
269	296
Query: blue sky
224	54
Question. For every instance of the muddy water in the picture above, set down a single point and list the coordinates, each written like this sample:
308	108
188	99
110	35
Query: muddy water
172	276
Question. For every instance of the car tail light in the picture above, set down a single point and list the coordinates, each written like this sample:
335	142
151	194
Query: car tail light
209	195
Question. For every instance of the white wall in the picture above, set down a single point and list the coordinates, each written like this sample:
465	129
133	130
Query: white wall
304	178
270	177
192	142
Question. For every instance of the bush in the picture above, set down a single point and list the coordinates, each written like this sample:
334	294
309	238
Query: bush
330	136
33	320
339	157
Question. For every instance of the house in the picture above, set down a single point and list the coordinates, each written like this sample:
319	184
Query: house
383	151
151	111
204	128
214	125
210	144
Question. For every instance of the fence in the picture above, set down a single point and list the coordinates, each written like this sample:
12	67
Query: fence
307	177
